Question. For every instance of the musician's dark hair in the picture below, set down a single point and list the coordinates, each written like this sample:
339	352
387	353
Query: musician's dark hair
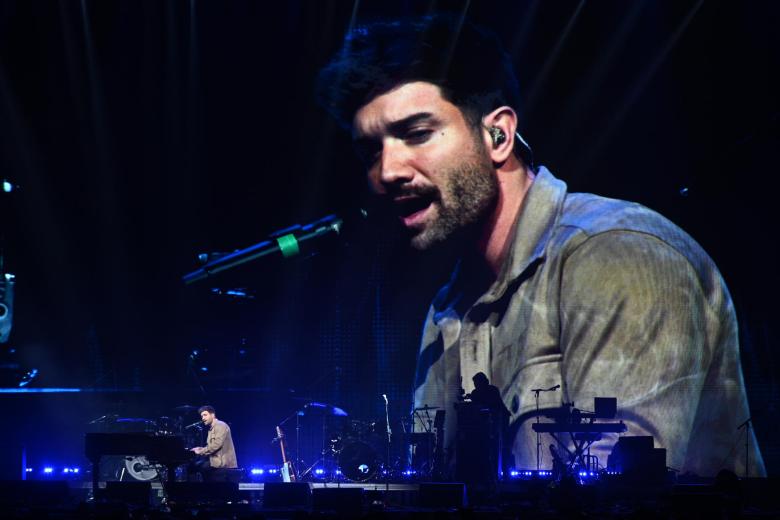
480	378
467	62
207	408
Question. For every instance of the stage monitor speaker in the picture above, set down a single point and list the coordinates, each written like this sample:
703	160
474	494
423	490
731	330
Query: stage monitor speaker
341	501
131	492
203	492
286	494
441	496
636	459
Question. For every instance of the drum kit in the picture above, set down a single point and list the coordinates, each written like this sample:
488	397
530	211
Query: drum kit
357	450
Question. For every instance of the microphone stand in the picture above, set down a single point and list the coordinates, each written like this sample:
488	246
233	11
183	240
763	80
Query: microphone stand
746	425
387	455
536	392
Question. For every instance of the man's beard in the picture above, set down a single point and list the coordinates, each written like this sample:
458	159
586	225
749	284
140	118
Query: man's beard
464	201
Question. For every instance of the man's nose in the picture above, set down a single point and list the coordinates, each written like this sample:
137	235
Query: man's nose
394	167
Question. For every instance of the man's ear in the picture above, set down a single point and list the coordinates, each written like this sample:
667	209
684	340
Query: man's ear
498	133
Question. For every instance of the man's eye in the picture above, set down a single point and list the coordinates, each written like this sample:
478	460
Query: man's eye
418	136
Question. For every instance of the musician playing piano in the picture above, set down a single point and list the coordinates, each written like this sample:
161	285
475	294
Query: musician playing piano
219	452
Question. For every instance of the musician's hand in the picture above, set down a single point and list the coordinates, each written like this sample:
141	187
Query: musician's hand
197	451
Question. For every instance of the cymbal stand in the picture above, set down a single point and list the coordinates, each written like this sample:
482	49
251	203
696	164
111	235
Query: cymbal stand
297	414
323	453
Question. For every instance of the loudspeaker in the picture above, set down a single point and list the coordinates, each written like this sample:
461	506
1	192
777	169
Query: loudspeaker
438	495
605	407
203	492
637	460
342	501
132	492
286	494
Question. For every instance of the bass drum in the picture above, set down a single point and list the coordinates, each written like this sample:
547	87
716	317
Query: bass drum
358	461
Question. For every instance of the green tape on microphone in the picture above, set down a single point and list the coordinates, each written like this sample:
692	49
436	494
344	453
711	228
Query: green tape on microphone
288	245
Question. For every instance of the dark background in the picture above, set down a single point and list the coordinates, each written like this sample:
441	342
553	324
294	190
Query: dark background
142	133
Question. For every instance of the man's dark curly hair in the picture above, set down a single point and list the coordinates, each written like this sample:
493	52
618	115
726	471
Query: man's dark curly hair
465	61
207	408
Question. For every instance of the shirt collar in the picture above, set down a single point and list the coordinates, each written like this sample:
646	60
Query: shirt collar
533	228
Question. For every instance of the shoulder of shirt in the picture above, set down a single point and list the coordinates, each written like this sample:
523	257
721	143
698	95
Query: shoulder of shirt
588	215
593	214
584	216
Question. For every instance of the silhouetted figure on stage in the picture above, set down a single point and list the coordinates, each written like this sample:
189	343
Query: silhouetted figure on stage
488	396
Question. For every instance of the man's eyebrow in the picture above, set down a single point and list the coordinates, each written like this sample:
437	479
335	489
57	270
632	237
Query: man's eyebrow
398	127
408	121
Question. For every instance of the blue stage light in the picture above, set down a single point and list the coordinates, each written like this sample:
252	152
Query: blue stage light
48	470
28	470
513	473
319	471
256	471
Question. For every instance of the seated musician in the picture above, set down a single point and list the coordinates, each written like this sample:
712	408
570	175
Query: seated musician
219	453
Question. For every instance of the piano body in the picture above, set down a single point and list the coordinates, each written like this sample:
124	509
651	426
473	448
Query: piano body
166	450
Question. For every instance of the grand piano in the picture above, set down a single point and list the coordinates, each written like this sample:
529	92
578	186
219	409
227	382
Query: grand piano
165	450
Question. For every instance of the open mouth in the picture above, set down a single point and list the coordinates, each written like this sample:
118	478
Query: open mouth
411	208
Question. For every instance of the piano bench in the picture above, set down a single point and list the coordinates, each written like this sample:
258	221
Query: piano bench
227	475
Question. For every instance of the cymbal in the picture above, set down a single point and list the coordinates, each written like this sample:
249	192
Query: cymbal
325	408
426	408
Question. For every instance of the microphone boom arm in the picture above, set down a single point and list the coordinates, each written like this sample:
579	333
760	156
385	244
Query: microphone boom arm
287	245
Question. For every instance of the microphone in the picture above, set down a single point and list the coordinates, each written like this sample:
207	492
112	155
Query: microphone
286	243
193	425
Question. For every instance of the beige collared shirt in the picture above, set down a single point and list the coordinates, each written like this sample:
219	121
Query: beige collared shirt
219	446
606	298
